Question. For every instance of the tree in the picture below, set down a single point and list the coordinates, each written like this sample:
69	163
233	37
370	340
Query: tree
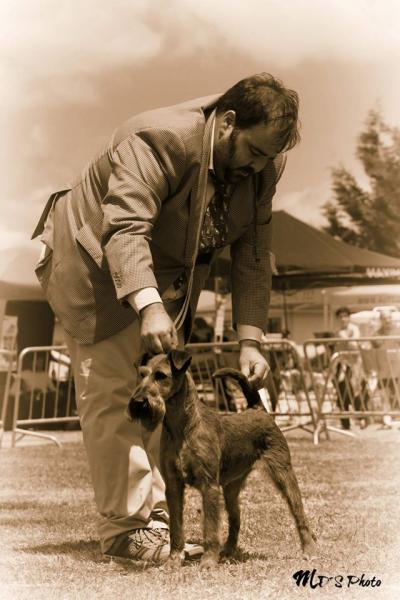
369	218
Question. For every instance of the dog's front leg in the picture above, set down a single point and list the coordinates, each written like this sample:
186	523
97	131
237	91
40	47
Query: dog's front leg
210	495
174	492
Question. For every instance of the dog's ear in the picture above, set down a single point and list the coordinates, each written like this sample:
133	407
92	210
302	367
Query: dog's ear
144	359
180	360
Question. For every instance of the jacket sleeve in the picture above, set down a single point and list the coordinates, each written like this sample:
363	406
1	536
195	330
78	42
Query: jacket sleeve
145	169
252	260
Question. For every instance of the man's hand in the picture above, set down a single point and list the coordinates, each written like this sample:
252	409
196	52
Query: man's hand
157	330
252	363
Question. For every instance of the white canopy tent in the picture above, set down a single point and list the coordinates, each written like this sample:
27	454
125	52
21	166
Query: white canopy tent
362	297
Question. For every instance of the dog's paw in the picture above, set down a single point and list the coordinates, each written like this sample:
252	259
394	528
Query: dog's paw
208	562
229	554
174	561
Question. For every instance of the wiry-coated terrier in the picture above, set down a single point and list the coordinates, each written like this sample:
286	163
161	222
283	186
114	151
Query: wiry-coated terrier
205	449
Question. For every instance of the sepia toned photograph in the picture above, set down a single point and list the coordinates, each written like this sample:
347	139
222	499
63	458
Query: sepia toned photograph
200	300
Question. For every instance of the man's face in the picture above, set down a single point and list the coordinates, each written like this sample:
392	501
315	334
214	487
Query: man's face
344	319
239	153
386	322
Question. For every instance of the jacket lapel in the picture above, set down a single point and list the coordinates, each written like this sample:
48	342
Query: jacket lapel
198	197
196	215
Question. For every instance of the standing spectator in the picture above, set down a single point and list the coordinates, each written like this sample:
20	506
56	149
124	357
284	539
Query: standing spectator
348	379
388	351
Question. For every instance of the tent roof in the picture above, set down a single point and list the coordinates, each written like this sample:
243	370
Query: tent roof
368	290
366	296
307	257
299	246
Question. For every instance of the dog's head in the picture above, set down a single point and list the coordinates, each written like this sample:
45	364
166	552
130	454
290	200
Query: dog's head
161	378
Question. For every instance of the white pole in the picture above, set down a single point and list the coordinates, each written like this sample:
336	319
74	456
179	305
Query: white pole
325	309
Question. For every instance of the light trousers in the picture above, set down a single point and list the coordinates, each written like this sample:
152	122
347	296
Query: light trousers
123	456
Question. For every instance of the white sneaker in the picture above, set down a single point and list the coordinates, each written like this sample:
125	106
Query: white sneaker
150	545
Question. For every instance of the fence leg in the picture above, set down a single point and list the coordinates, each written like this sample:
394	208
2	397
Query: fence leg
45	436
341	431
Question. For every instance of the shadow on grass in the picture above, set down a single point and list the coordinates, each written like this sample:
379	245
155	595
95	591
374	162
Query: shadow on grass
21	505
241	556
80	549
87	551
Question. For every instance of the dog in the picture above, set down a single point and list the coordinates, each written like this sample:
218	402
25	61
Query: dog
208	450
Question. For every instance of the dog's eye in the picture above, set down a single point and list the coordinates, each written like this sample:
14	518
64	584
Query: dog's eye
159	376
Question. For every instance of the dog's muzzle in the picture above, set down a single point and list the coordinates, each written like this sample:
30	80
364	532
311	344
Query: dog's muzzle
149	411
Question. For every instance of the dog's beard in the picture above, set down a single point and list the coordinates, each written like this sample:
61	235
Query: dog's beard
149	413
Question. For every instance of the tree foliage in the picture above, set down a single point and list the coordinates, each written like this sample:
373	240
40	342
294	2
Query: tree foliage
369	217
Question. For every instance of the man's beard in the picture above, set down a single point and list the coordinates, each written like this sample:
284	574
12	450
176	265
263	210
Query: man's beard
233	175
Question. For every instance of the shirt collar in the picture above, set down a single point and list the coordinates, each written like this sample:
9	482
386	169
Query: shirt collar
211	163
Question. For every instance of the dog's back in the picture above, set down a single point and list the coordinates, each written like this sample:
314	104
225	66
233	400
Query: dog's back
246	436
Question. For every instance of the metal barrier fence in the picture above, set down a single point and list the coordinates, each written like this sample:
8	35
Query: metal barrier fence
43	390
7	359
357	379
287	394
336	382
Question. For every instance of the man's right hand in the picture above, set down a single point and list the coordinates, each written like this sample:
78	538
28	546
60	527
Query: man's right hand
157	330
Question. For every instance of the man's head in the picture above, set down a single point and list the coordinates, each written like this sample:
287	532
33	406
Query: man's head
256	120
386	322
343	315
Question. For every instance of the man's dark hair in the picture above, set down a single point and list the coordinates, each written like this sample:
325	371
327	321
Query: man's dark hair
343	310
262	98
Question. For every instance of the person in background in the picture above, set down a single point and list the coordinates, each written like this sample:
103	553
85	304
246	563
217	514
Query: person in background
348	376
388	359
202	332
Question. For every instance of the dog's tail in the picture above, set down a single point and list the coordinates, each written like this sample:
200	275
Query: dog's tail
250	393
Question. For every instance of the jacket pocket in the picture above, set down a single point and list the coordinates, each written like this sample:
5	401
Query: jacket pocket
89	242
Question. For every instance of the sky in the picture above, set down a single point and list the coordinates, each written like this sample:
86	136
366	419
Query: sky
72	70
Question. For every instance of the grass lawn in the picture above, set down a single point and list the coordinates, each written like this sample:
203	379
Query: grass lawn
350	487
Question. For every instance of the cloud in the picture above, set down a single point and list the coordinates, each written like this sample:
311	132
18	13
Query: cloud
305	204
289	33
60	44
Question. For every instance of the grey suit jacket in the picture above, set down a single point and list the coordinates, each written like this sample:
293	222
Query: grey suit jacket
132	219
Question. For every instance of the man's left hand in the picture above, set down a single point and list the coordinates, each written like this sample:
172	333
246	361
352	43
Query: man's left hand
252	363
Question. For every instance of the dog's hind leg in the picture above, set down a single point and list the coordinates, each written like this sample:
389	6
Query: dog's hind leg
281	471
210	495
231	497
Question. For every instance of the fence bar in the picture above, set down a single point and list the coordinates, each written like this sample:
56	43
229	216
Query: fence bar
354	378
7	358
46	387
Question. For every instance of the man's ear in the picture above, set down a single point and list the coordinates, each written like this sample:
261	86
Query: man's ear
227	123
179	360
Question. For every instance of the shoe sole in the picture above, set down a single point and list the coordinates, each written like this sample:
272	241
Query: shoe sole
191	554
